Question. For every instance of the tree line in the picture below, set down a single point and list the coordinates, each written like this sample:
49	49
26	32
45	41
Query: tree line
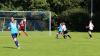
75	12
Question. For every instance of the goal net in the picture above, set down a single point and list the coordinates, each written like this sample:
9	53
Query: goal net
35	20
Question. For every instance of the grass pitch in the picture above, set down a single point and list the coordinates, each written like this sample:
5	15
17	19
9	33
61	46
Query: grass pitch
41	44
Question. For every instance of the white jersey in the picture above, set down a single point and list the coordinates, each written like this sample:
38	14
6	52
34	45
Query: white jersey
64	28
91	26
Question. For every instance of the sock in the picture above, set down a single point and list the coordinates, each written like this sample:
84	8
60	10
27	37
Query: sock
90	35
57	36
69	36
19	33
64	36
16	42
89	32
25	33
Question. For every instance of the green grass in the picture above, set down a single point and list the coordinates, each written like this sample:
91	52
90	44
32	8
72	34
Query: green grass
41	44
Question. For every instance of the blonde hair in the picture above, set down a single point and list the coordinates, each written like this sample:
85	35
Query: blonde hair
15	21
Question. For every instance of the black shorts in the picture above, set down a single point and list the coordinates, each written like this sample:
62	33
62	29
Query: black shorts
22	29
65	32
89	30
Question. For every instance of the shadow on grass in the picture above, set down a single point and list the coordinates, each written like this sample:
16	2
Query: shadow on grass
9	47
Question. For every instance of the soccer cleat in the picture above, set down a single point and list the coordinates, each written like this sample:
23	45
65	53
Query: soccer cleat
57	36
18	47
90	37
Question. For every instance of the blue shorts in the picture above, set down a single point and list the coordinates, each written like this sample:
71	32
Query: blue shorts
14	35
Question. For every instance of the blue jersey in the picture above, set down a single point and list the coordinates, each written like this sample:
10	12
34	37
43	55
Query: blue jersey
60	28
13	27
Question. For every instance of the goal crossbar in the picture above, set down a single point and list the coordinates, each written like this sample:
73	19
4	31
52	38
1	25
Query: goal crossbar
33	11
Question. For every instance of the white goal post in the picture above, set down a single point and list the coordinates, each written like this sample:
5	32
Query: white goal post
23	13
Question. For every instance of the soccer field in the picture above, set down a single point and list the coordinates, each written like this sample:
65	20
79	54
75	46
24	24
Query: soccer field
41	44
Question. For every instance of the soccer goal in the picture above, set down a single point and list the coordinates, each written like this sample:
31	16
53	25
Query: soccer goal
35	20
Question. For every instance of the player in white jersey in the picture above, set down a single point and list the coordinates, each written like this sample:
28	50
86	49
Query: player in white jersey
90	26
65	31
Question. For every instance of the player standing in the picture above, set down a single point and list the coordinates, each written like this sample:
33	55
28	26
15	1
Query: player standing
65	31
22	27
13	26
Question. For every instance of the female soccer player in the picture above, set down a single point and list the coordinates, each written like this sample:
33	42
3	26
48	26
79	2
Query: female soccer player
59	30
13	27
65	31
90	26
22	27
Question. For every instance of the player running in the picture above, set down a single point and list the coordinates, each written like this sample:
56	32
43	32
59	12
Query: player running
65	31
13	27
90	27
59	30
22	27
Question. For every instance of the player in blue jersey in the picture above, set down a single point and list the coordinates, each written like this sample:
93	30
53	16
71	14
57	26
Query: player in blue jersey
13	27
59	30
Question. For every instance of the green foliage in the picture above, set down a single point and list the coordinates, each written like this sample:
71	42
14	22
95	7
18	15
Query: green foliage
64	8
56	6
41	4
